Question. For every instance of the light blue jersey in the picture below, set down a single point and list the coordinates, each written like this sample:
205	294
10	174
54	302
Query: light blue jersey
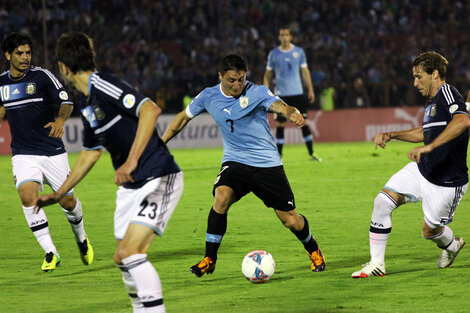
286	66
243	122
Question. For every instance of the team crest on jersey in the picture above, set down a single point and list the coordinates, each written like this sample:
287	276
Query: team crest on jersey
63	95
453	108
433	110
243	102
30	88
295	54
98	112
128	101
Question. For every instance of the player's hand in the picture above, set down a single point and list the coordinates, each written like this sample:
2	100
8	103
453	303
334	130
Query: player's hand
46	200
57	129
311	96
297	119
415	154
381	139
123	173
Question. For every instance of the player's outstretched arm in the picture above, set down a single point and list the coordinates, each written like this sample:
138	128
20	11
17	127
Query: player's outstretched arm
148	116
457	125
57	127
410	135
289	112
176	125
85	162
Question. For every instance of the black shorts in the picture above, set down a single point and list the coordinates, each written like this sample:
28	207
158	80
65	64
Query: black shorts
270	184
299	102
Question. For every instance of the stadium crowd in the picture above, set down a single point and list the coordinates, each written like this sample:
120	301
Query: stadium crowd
169	49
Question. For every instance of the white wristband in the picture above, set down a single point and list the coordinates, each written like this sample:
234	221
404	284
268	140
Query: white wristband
467	104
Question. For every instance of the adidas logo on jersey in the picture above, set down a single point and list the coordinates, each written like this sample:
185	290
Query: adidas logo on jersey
15	92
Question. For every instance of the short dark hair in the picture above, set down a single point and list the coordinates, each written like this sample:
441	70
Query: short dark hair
16	39
233	62
431	61
75	50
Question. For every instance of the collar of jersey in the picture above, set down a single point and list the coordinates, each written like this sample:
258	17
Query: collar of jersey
439	89
288	50
18	78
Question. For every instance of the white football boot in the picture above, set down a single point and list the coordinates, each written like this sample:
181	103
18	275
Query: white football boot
370	269
447	258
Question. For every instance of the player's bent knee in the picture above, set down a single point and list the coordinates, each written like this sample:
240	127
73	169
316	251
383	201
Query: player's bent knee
124	251
68	202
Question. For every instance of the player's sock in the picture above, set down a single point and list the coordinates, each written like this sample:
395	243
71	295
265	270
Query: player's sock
308	139
305	236
147	282
129	283
40	228
445	240
279	139
75	219
380	226
216	228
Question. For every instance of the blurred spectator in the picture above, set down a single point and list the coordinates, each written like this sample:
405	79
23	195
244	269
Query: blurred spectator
357	96
184	39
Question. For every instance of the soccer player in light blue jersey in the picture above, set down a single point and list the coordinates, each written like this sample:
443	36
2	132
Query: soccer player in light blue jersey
288	62
251	162
27	97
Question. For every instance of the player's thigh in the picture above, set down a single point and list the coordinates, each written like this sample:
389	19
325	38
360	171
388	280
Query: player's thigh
151	205
273	188
27	168
408	182
28	193
237	176
440	203
56	169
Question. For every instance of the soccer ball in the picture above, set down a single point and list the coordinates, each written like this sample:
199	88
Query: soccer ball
258	266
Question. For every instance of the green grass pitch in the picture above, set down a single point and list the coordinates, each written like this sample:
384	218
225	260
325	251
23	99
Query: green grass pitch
337	197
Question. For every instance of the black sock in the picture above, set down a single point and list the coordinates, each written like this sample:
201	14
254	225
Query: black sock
308	137
216	227
306	237
279	139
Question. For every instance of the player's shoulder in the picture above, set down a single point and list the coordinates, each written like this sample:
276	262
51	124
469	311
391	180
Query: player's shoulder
4	77
450	94
108	85
252	88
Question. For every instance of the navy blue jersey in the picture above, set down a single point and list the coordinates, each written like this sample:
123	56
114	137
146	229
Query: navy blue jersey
447	164
30	103
110	117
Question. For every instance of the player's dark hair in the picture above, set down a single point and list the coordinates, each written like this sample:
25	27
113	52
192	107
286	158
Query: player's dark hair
75	50
233	62
16	39
286	27
431	61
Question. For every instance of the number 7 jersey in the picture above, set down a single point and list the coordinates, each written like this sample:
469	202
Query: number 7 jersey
243	122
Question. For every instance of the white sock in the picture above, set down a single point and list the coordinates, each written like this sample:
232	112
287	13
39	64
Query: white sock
147	282
75	219
40	228
445	240
378	243
129	283
380	226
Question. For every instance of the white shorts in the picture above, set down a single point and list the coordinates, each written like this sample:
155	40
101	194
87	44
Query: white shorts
439	203
151	205
50	170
